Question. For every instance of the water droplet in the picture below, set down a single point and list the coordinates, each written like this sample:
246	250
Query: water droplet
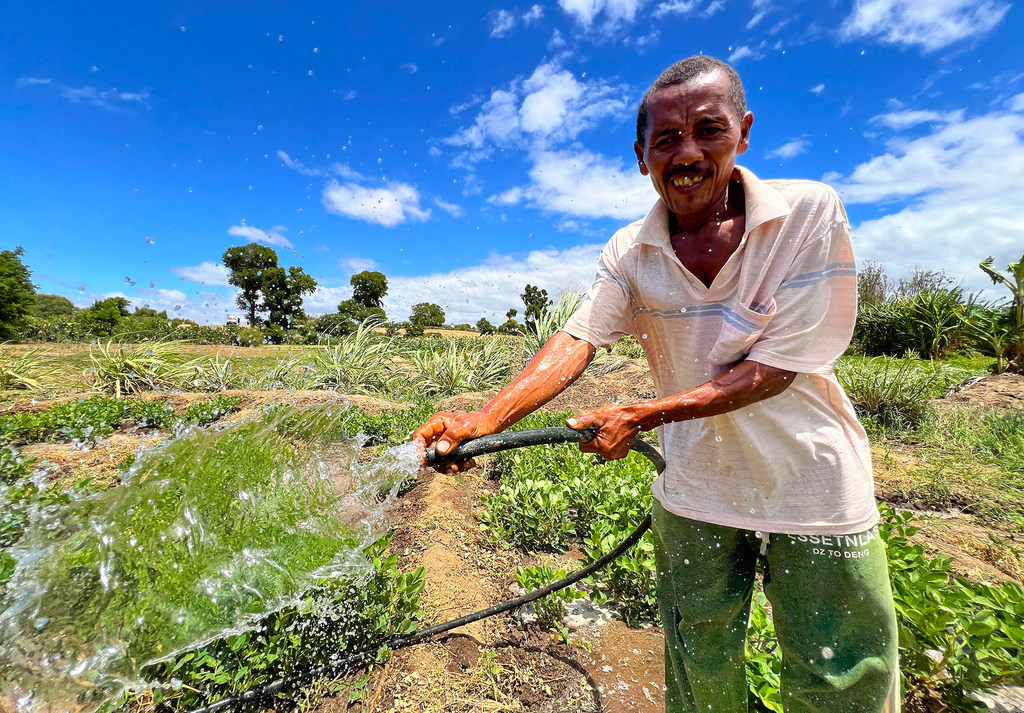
310	72
316	50
280	38
718	439
827	653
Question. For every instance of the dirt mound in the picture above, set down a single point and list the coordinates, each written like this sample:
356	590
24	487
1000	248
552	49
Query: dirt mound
628	384
999	392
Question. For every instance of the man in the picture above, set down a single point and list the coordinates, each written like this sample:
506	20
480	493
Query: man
743	294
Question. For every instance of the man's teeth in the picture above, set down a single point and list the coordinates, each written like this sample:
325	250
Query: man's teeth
686	181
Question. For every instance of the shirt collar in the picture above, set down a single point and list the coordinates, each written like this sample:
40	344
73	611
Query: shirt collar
762	203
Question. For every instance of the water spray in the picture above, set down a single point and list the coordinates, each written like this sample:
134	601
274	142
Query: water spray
465	451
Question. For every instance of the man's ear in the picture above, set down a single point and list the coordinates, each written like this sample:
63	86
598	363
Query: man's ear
745	124
639	149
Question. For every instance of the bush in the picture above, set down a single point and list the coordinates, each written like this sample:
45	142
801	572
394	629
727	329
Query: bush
118	369
891	394
551	609
931	322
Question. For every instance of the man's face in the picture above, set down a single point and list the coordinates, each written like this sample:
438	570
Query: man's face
693	137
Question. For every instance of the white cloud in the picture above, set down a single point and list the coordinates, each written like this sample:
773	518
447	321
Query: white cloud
255	235
817	89
932	24
1016	103
958	193
677	7
535	13
409	67
297	165
349	96
387	205
583	184
352	265
451	209
206	273
501	22
789	149
107	99
492	287
613	12
905	119
755	20
548	107
742	52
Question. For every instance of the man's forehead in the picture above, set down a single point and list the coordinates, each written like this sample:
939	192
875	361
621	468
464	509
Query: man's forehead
706	94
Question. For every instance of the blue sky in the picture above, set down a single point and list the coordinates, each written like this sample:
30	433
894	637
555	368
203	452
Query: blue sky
467	149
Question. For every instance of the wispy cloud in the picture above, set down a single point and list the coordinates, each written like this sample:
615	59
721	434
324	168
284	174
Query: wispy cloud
206	273
912	117
930	24
817	89
743	52
297	165
501	22
255	235
789	149
451	209
352	265
388	205
409	67
106	99
609	14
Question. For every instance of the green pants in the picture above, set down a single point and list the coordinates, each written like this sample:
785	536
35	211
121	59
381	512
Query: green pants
831	604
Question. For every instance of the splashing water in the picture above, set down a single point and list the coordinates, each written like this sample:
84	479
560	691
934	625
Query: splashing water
206	535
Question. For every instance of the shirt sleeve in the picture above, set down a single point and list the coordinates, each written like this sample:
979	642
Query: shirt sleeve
815	305
604	316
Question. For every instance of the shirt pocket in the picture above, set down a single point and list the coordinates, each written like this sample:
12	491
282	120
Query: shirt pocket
741	327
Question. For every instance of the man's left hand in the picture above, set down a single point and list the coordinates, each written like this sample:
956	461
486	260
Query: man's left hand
616	428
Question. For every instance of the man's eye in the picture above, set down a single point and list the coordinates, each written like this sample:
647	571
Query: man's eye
710	130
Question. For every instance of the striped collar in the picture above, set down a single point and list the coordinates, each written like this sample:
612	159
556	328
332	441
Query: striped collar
761	204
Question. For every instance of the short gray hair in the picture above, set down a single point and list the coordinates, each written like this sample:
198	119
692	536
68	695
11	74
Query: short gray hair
682	72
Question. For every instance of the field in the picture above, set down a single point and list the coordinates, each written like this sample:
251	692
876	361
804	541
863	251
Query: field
947	443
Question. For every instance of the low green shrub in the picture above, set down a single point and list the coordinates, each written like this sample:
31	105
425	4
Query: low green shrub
118	369
335	619
552	609
90	419
25	370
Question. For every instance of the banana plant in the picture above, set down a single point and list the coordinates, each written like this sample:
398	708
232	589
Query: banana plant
1014	281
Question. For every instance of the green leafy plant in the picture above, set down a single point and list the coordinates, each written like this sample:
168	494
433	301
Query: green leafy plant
553	608
763	658
358	363
464	365
889	393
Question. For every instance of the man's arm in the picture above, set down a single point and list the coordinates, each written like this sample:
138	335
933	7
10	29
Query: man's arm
557	365
744	384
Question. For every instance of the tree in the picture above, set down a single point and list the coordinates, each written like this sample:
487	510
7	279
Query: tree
511	314
282	295
17	293
102	316
266	287
537	303
248	264
427	314
50	306
873	286
369	288
148	312
484	327
1014	282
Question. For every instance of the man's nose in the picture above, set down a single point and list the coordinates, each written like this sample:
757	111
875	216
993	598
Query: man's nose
687	151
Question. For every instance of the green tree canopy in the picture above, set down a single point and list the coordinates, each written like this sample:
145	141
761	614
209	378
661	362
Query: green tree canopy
248	265
101	317
50	306
427	314
369	288
536	302
17	293
484	327
149	312
265	286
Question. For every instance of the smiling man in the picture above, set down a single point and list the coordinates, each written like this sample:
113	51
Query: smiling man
743	294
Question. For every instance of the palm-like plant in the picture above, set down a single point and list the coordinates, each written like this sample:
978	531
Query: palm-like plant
24	371
120	369
359	363
1014	281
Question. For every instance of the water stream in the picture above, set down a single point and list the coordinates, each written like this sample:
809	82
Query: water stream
207	534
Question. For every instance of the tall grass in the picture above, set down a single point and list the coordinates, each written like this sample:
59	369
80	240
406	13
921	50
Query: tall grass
891	394
23	371
121	369
359	363
475	365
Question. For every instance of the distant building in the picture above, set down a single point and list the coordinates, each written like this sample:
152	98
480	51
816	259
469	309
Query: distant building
232	319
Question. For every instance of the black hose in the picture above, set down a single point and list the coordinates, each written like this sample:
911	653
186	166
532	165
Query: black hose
465	451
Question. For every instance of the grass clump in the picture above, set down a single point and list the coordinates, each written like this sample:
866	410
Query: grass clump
211	533
24	371
464	365
889	394
119	369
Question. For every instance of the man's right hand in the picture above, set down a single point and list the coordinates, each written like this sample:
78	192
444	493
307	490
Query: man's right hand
445	431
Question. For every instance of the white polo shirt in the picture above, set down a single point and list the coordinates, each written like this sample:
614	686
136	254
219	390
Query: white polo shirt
796	463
